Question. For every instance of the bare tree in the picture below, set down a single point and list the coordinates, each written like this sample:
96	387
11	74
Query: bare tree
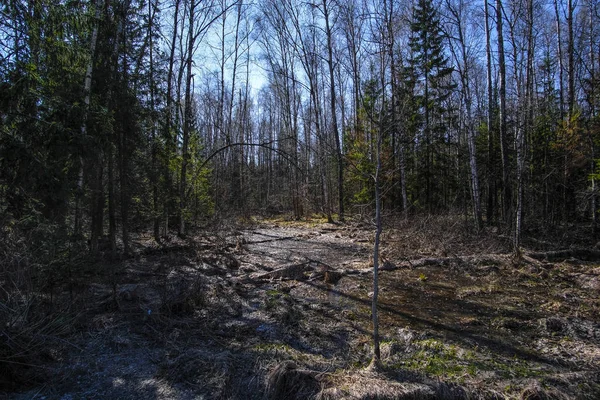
87	90
332	93
491	205
463	62
506	192
201	15
524	127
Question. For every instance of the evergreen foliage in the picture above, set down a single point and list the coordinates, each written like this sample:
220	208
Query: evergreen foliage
427	80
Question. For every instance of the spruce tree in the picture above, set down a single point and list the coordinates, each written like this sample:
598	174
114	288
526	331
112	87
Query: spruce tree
428	66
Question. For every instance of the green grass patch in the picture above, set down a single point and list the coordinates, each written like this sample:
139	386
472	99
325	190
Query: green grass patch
435	358
450	362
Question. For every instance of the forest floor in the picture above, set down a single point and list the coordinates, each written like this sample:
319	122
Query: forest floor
283	309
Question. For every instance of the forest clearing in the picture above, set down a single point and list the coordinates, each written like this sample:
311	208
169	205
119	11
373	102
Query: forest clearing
290	199
281	309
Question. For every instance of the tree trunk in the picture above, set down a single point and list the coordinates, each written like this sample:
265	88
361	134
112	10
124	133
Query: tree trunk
97	202
122	131
593	78
491	205
469	121
112	220
571	62
398	145
153	167
568	190
87	94
170	144
187	120
334	123
561	68
506	192
520	139
124	181
378	229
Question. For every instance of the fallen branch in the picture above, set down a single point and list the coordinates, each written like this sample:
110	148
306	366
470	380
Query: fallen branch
561	255
492	259
293	271
271	240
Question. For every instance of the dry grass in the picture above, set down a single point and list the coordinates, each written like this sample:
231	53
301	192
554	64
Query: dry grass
286	381
32	327
365	384
535	392
439	236
202	369
215	332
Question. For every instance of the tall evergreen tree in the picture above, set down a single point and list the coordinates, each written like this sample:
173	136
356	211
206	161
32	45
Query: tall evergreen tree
429	69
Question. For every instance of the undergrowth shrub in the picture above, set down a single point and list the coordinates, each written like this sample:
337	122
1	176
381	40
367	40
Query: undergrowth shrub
35	257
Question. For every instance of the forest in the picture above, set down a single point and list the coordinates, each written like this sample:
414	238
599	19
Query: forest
286	199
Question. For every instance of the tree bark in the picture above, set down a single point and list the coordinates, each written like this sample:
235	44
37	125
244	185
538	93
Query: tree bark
571	60
521	132
187	119
561	68
97	202
378	230
568	192
87	92
463	63
112	219
153	163
491	204
170	144
122	131
593	79
334	123
506	192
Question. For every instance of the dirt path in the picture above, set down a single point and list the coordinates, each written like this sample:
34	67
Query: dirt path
212	317
193	320
273	247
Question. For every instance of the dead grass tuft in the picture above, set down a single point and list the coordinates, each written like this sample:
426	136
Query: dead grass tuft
200	368
286	381
27	346
390	349
182	297
450	391
535	392
368	385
